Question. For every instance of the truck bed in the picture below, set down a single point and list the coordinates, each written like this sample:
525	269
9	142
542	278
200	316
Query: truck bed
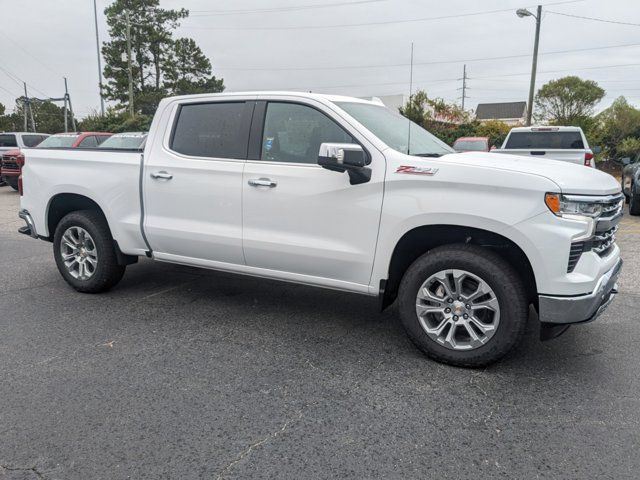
48	174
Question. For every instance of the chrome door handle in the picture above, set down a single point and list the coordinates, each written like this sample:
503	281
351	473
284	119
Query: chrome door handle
262	182
162	175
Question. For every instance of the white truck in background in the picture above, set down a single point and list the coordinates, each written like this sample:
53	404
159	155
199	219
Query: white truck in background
566	144
331	191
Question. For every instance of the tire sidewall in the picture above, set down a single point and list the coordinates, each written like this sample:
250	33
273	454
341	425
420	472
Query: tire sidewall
79	219
510	300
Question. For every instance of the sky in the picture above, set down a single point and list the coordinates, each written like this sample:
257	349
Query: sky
352	47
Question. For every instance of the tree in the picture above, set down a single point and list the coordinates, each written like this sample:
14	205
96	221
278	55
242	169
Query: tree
189	70
568	101
115	121
161	66
496	130
629	147
415	108
611	126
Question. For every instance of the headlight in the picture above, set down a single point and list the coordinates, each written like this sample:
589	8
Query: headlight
561	206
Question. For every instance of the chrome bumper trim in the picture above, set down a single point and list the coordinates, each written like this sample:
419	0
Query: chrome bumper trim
583	308
30	228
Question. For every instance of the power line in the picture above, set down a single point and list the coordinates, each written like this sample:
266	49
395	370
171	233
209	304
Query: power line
28	53
386	22
211	13
19	81
595	19
437	62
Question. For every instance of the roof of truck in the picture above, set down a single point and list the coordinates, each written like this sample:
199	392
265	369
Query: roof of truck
317	96
546	128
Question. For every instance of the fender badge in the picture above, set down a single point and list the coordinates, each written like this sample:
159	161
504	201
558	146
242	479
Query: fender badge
410	169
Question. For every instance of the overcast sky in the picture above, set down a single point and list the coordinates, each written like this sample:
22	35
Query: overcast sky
287	44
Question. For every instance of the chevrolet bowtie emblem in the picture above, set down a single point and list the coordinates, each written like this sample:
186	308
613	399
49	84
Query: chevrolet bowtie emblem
410	169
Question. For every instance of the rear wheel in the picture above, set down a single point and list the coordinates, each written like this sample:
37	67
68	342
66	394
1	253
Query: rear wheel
634	201
84	252
12	182
463	305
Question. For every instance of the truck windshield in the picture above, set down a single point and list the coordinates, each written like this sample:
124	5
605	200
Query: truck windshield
470	146
545	140
57	141
395	130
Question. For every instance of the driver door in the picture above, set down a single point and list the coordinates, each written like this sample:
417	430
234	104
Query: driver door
302	220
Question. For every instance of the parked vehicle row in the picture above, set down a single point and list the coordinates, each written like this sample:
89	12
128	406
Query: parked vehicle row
334	192
12	144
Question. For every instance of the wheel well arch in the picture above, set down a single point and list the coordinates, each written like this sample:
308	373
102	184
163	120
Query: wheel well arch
64	203
420	240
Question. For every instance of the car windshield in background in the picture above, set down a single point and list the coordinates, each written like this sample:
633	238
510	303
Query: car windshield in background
470	146
395	130
58	141
128	141
8	141
545	140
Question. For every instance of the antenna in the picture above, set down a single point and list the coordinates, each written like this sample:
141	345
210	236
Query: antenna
410	99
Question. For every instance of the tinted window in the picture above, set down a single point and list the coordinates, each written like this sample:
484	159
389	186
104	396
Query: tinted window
8	140
88	142
32	140
57	141
211	130
542	140
293	133
101	138
125	141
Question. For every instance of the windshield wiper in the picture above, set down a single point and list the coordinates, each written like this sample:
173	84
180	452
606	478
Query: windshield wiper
429	155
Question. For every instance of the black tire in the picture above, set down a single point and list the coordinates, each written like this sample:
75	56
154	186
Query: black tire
12	182
491	268
107	272
634	201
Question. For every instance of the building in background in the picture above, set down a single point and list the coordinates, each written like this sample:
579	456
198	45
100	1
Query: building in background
511	113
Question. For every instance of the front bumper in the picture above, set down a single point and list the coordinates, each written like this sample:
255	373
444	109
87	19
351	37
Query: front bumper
581	308
30	227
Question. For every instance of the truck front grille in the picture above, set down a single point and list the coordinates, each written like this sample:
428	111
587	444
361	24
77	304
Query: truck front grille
9	163
575	252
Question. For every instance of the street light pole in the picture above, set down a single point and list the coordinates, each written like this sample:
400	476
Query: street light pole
129	68
523	12
95	17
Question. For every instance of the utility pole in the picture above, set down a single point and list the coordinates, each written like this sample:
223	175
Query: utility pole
523	12
464	85
68	100
95	17
126	14
25	105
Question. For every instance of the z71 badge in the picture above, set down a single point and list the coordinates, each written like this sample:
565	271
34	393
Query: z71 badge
410	169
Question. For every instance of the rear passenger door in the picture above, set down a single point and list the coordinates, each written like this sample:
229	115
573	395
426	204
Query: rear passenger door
192	182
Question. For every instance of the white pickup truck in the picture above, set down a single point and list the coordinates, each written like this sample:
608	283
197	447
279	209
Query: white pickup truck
566	144
330	191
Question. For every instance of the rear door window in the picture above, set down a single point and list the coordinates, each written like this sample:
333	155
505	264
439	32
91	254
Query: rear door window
545	140
8	140
32	140
88	142
217	130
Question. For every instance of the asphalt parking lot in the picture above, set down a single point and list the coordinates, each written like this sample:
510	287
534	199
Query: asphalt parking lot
184	373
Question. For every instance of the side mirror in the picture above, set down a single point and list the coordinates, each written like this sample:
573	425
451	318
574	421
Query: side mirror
345	157
596	150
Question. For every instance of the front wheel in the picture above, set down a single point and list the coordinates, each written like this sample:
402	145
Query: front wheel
463	305
84	252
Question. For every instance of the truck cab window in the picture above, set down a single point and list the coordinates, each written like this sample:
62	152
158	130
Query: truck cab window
293	133
211	130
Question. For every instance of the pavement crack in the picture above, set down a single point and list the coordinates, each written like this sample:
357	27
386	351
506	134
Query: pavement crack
9	468
247	451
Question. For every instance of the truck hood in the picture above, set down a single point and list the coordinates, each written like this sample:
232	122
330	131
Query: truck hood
570	178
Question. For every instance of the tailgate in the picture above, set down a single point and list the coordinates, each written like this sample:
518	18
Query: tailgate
563	155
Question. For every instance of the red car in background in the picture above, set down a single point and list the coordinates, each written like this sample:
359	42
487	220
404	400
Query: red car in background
12	160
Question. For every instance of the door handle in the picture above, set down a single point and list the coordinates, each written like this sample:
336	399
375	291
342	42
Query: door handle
262	182
161	175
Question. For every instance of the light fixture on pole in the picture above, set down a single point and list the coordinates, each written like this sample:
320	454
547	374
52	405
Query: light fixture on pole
523	12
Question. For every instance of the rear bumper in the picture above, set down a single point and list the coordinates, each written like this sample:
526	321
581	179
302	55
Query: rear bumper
582	308
30	227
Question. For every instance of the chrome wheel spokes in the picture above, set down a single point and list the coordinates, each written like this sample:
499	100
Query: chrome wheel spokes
458	309
79	253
